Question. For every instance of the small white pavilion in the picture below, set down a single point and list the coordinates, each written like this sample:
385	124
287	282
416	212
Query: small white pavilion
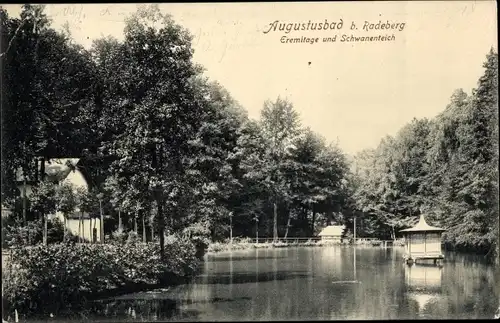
423	241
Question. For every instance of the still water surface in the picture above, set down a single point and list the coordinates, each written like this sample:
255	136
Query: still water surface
317	283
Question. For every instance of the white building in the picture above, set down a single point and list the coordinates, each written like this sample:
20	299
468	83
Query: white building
332	233
65	170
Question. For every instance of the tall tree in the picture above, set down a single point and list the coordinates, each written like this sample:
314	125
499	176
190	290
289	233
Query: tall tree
67	201
162	110
280	126
48	112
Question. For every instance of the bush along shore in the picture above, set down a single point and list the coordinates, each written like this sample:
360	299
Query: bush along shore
244	244
59	278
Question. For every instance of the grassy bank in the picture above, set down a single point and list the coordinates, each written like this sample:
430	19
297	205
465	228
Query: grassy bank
59	277
245	244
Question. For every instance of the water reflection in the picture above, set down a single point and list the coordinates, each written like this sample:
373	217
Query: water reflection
302	284
249	277
423	283
213	258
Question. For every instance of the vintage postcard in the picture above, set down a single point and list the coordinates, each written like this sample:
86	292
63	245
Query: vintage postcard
250	161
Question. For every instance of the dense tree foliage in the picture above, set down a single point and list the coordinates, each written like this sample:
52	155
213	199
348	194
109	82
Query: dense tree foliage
445	167
167	150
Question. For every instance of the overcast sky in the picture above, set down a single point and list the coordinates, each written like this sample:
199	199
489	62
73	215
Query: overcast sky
355	93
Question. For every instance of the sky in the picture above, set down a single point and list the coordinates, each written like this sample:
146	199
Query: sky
352	93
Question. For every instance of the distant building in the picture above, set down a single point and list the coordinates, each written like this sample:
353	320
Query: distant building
333	233
65	170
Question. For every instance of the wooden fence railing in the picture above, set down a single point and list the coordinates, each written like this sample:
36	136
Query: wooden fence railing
305	239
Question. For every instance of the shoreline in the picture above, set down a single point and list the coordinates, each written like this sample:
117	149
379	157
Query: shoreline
219	247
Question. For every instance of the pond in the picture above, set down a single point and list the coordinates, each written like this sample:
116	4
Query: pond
317	283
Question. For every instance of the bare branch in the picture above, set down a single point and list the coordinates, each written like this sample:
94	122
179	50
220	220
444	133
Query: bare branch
13	37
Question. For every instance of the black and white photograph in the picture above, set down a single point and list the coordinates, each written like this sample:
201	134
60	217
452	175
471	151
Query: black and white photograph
249	161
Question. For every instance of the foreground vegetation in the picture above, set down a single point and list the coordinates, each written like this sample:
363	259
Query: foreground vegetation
64	276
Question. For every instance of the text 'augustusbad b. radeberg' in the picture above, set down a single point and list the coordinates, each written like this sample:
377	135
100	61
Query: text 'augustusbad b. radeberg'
380	31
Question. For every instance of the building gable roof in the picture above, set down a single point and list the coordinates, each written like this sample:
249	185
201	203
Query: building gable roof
332	230
422	226
56	169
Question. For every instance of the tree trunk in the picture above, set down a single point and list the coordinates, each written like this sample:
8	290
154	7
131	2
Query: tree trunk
354	230
330	216
275	222
152	232
135	223
65	231
313	220
256	230
36	171
287	224
102	221
119	221
42	168
303	221
79	227
498	258
25	199
231	228
45	230
161	229
83	230
44	218
143	229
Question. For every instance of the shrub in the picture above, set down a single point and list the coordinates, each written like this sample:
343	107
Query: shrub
199	234
310	242
15	234
217	247
246	240
133	237
50	279
119	236
280	244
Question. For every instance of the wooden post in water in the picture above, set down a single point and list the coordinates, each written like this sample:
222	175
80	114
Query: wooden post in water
355	278
354	230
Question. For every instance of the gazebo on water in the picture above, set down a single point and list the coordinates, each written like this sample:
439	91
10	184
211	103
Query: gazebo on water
423	242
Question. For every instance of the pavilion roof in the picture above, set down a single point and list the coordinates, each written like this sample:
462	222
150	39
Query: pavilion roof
332	230
422	226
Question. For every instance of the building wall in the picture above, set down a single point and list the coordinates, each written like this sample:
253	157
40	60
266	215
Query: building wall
85	229
417	243
77	179
424	243
6	211
433	243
